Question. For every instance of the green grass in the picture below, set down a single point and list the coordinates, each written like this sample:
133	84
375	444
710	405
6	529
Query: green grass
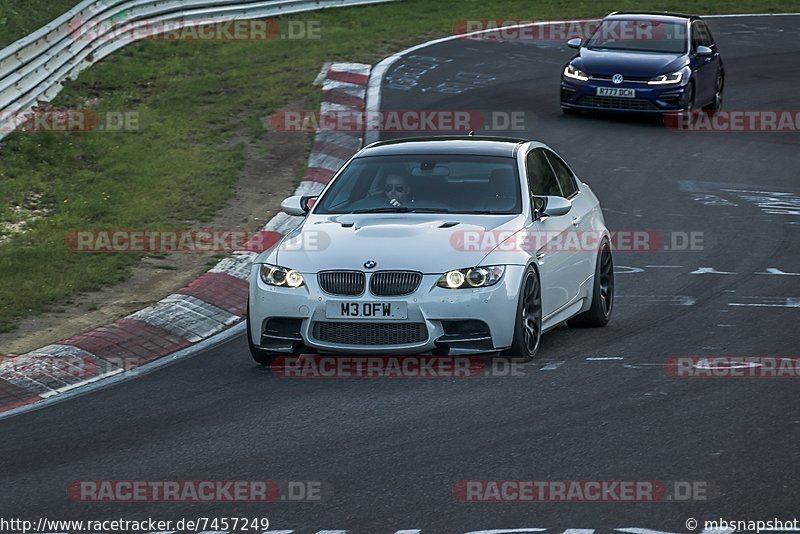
193	100
21	17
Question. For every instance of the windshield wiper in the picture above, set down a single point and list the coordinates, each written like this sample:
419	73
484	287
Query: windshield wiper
402	209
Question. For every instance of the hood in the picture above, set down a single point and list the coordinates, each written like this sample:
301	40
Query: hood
637	64
418	242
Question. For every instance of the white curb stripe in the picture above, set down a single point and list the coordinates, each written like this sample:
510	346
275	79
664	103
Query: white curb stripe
351	89
309	188
324	161
352	68
187	316
237	266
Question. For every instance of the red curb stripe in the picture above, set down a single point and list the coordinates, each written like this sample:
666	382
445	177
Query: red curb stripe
340	97
128	343
318	174
262	240
332	149
7	407
13	396
220	289
348	77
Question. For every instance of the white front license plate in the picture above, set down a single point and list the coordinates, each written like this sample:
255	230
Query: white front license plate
616	91
366	310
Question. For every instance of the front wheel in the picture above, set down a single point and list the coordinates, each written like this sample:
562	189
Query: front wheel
528	323
716	104
602	294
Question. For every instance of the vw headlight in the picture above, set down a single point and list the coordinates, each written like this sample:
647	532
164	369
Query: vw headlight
575	74
667	79
275	275
471	278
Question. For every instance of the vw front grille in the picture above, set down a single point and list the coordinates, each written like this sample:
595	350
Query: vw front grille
617	103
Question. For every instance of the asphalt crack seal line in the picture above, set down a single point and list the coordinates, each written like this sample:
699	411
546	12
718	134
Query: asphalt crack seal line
207	312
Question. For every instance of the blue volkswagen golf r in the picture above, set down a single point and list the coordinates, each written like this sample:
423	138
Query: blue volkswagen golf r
644	62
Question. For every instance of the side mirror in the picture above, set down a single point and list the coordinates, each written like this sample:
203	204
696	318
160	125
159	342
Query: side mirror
298	205
703	51
575	43
551	206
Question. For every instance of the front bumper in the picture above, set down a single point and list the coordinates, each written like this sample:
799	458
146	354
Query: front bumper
439	321
649	98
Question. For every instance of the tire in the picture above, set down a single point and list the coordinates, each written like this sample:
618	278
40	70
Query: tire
602	293
528	322
719	88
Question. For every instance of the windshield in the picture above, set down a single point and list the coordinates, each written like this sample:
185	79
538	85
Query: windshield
425	184
640	36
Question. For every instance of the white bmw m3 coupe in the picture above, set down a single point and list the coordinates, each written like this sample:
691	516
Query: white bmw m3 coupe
442	245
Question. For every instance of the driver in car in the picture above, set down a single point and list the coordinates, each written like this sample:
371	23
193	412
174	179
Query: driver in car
398	192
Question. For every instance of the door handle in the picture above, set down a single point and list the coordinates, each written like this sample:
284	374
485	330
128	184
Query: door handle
576	221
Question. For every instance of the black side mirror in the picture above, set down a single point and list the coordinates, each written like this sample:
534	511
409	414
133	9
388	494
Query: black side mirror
307	202
538	204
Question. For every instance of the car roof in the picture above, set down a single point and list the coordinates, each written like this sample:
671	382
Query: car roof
463	144
659	16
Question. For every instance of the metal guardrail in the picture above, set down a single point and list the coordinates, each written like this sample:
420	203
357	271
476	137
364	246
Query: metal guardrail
33	69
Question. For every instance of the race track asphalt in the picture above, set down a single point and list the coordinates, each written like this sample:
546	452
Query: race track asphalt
389	452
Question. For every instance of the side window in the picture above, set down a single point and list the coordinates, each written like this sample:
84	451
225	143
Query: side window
696	39
708	39
700	35
541	180
564	176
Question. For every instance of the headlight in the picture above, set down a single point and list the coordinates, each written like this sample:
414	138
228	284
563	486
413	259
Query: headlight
280	276
471	278
666	79
575	74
